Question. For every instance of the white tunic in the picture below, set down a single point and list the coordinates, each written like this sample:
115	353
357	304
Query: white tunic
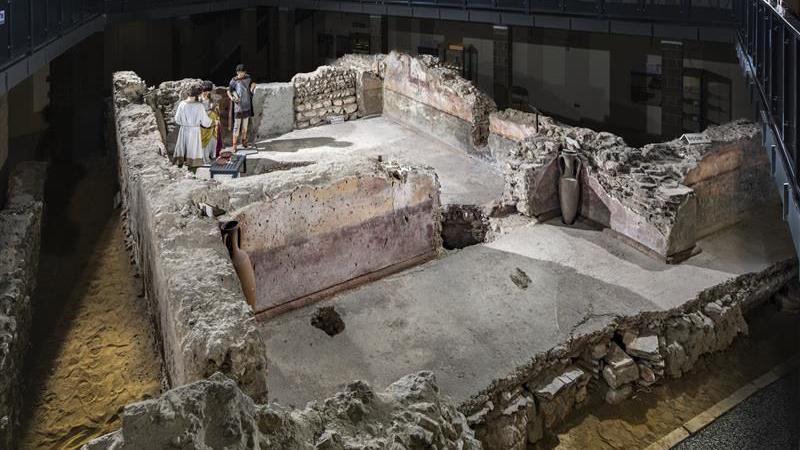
190	116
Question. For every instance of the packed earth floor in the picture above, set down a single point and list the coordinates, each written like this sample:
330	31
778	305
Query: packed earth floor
93	350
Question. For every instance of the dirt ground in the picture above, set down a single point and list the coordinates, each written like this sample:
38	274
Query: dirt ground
93	349
648	416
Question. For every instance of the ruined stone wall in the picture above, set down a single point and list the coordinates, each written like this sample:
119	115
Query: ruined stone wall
420	92
20	240
663	197
314	228
204	321
327	93
628	355
214	413
369	70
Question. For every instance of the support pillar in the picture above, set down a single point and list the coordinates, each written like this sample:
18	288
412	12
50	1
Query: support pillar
671	89
248	39
4	166
501	36
187	61
286	39
379	34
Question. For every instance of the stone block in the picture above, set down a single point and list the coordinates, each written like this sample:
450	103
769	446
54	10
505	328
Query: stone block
645	347
273	105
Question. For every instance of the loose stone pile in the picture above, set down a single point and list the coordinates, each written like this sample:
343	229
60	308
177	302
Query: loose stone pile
324	95
214	413
20	238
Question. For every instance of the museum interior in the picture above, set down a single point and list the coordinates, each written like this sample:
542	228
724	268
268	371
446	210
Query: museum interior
410	224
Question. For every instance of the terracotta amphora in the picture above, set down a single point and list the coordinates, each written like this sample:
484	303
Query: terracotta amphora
569	188
241	261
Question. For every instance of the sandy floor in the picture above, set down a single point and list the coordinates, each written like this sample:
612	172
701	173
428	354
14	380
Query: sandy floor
651	415
93	349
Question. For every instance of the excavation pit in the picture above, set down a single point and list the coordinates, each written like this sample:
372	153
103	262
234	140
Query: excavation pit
518	324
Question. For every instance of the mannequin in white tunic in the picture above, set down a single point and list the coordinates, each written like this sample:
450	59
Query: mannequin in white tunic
190	116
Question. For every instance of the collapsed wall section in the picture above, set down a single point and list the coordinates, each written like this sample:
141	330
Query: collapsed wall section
420	92
663	197
204	321
20	241
323	227
214	413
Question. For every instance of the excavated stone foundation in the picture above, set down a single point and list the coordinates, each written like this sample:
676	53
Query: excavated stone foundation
662	197
20	240
520	330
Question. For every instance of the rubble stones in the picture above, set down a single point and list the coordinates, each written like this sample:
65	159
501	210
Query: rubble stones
618	376
20	240
325	94
617	396
215	413
645	347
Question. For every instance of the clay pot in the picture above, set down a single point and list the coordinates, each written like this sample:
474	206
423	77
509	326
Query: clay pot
569	187
241	261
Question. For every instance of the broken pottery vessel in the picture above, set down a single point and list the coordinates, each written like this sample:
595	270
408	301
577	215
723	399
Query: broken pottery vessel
569	188
241	261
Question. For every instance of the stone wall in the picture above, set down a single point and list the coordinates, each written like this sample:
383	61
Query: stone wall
314	228
325	94
214	413
204	321
369	71
420	92
663	197
630	354
273	105
20	239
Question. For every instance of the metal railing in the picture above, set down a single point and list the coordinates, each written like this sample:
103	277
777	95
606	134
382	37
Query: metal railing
26	25
769	50
702	11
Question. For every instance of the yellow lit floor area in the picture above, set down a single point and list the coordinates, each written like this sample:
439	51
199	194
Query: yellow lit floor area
93	349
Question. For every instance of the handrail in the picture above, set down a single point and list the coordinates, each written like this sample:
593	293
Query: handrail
769	42
29	24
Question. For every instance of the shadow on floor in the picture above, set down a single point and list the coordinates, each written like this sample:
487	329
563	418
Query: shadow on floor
294	145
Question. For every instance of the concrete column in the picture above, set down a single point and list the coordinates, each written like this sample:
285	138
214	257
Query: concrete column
249	42
501	37
671	89
379	34
4	169
286	40
188	50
